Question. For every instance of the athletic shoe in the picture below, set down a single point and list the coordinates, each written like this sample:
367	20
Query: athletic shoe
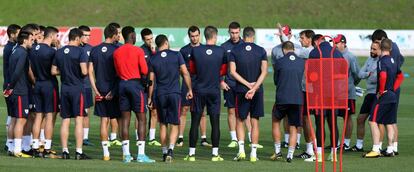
81	156
10	153
164	156
254	159
332	158
205	143
233	144
114	143
289	160
106	158
127	158
297	146
396	153
30	152
356	149
144	159
87	143
22	155
259	146
180	142
372	154
304	155
6	148
50	154
216	158
285	144
190	158
169	156
386	154
154	143
313	158
346	148
65	155
240	156
277	156
37	153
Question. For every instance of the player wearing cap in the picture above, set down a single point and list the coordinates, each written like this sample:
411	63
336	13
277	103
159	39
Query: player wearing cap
248	65
194	36
130	65
70	63
104	83
150	50
165	68
208	63
326	49
385	110
288	77
353	80
368	72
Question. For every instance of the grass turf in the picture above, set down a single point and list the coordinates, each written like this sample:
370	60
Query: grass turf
352	161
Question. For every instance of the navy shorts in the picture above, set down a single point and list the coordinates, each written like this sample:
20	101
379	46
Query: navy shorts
72	103
384	113
211	101
19	106
108	108
351	109
132	96
254	106
46	97
8	106
168	108
88	97
184	100
230	98
292	111
369	101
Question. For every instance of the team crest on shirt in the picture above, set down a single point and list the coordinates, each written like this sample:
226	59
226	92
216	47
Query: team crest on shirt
146	56
104	49
229	51
292	57
66	51
209	52
248	48
189	55
392	60
37	47
163	54
26	111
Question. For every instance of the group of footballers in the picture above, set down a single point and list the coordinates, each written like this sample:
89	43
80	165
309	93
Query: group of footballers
119	78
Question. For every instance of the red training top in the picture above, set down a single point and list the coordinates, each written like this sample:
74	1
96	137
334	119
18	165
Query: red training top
129	62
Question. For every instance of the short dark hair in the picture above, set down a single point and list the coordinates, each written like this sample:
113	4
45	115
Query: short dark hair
23	35
114	24
110	31
386	45
84	28
209	32
316	38
50	30
308	33
378	34
145	32
160	40
126	31
42	28
248	32
234	25
12	29
288	46
75	33
30	27
193	29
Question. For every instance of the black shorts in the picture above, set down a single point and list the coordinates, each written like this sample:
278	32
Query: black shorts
88	98
168	108
19	106
351	109
73	103
46	97
293	113
8	106
369	101
132	97
211	101
230	98
384	113
254	106
108	108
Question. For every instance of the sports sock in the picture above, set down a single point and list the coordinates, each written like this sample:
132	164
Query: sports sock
105	148
277	148
233	135
141	147
85	133
152	134
291	150
125	147
360	143
241	146
112	136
